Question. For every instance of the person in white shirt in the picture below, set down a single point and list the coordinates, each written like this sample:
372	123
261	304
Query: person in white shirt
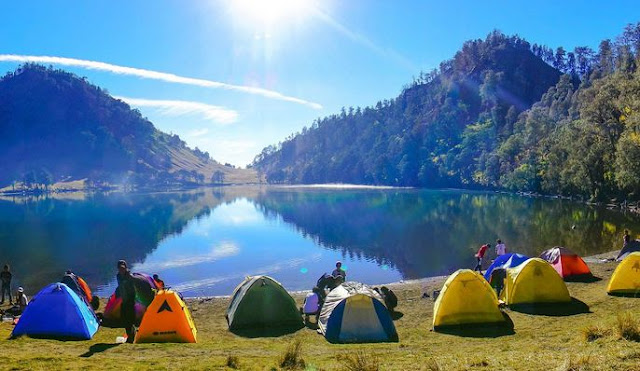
339	275
501	249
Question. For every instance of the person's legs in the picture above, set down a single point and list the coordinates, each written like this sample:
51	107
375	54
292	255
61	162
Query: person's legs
478	266
128	319
3	290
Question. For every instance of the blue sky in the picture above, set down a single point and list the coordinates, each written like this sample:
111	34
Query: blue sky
232	77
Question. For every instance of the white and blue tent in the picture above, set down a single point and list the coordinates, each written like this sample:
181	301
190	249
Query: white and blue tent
354	313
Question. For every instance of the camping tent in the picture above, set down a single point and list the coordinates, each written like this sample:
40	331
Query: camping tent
505	261
144	286
567	263
626	278
354	313
167	320
57	312
633	245
78	285
260	302
534	281
466	298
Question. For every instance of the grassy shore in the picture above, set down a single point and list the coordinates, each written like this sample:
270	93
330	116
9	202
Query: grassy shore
540	342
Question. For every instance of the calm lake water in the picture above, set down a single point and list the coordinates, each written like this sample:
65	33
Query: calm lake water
204	242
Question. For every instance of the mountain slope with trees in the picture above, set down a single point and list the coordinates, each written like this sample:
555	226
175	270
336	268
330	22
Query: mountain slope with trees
55	126
501	114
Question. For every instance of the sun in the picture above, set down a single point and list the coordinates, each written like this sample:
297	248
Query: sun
271	12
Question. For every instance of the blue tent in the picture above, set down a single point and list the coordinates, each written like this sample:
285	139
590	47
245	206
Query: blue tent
505	261
354	313
57	312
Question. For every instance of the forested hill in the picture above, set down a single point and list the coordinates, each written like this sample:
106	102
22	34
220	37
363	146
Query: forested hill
55	126
501	114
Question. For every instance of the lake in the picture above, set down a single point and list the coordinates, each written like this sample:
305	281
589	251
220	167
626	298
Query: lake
204	242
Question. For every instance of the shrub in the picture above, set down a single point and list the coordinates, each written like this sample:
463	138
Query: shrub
628	327
290	359
233	362
361	361
592	333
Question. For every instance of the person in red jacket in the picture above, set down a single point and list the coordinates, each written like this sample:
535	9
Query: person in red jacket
480	255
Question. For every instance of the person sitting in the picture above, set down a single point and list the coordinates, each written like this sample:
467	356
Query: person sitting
339	275
21	303
390	298
158	281
312	304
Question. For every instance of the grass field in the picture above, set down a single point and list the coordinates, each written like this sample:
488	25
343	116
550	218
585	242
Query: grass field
586	341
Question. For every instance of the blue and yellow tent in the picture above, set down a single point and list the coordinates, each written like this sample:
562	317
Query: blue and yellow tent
57	312
354	313
505	261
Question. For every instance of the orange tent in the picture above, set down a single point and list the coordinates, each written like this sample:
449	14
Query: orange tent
167	320
566	262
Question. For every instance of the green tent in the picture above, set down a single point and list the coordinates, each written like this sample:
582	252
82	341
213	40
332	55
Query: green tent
261	303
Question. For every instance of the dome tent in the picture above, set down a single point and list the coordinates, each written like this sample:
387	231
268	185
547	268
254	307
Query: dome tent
567	263
260	302
534	281
167	320
505	261
145	292
625	280
632	246
466	298
354	313
57	312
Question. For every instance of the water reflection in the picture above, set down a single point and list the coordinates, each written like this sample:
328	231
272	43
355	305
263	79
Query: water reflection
204	242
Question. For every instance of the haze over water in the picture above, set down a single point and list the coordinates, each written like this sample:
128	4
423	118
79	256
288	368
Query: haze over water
204	242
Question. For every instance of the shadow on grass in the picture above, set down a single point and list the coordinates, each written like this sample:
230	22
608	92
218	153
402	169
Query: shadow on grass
396	315
311	325
98	348
553	309
482	330
584	278
266	332
635	294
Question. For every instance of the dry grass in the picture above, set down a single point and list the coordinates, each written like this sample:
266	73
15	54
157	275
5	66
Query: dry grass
627	327
233	362
581	363
539	343
361	361
593	333
291	359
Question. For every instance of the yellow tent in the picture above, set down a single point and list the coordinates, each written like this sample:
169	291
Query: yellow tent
626	278
466	298
167	320
534	281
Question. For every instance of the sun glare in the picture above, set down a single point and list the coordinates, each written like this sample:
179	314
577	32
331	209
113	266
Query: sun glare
271	12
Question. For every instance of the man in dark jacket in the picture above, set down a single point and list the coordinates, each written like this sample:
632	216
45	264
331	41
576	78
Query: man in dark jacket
127	292
5	277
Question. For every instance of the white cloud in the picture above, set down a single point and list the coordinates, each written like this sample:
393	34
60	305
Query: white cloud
216	114
223	250
197	132
155	75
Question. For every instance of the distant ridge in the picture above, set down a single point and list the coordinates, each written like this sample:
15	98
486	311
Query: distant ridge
55	126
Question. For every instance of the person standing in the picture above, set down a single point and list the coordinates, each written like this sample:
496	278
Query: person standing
5	277
501	248
339	275
480	255
127	292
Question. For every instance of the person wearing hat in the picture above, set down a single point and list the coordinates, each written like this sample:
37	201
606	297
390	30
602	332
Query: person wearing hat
127	292
22	299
